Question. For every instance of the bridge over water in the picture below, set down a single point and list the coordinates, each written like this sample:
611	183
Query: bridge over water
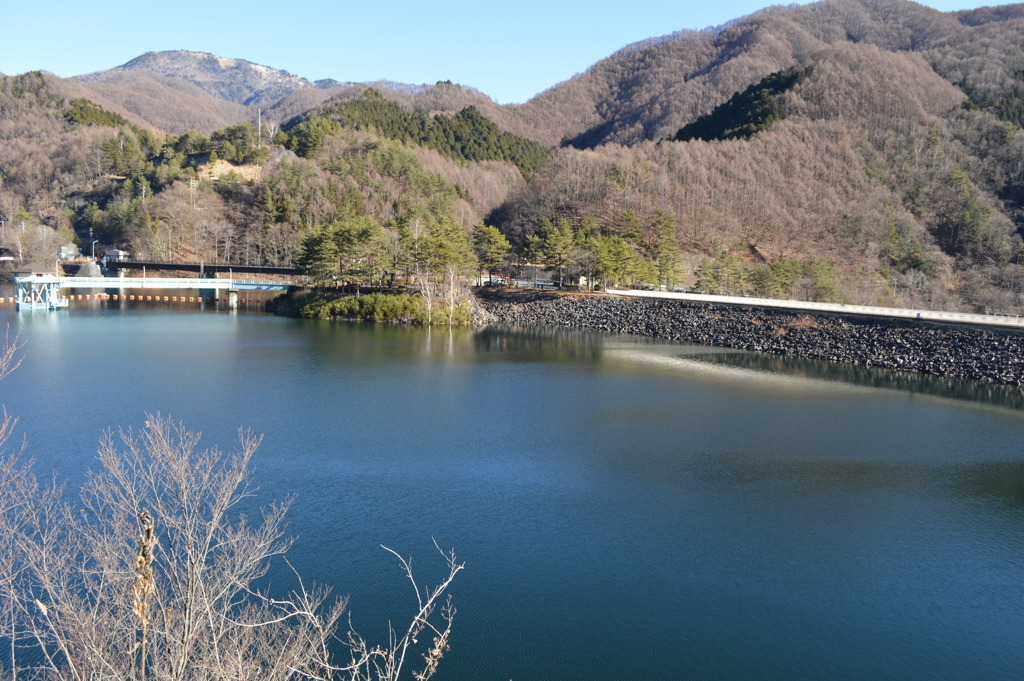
35	292
170	283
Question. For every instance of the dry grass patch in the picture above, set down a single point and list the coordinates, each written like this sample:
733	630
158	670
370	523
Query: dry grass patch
220	168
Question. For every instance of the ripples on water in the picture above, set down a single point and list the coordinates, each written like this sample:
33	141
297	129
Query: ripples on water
626	507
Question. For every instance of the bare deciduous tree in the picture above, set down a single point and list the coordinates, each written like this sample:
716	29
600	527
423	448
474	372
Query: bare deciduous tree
16	489
156	575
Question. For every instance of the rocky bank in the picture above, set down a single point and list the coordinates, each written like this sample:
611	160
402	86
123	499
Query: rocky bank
957	352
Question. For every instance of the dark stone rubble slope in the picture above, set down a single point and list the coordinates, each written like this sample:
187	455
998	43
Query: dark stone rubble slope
957	352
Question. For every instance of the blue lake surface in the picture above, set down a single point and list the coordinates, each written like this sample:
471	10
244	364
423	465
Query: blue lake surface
625	508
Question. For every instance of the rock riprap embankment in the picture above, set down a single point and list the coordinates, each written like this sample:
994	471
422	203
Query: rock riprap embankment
980	355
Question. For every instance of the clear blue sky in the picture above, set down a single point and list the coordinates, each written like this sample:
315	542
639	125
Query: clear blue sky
509	50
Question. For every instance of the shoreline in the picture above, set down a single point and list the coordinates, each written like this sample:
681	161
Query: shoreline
987	356
990	355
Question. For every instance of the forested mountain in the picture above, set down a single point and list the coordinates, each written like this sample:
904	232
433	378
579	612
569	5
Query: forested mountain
466	136
876	165
649	90
860	150
646	91
167	104
70	163
443	97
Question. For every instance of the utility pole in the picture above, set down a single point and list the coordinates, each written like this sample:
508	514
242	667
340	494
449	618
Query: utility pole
259	133
192	185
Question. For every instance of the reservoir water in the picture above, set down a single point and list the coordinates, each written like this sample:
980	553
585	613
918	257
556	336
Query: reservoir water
625	508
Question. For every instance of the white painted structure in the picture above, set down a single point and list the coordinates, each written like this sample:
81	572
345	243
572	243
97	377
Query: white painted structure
170	283
36	288
42	291
870	311
38	293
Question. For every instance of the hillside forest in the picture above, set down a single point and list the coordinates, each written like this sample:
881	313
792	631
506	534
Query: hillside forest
862	151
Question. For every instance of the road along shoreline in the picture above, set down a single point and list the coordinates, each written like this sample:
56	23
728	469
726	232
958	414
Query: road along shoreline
989	355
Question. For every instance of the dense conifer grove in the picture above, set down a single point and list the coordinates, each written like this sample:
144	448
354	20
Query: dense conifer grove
746	113
467	136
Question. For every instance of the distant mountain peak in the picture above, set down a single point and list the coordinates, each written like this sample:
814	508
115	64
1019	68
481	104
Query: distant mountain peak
233	80
187	59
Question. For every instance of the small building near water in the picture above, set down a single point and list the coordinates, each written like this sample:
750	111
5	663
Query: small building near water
37	287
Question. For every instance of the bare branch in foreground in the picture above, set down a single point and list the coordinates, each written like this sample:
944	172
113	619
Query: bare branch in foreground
154	575
385	663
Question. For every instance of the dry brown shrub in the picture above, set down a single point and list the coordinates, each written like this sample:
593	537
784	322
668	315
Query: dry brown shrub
803	322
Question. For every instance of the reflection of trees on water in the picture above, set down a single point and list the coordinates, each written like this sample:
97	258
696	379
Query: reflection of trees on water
553	343
540	343
926	384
